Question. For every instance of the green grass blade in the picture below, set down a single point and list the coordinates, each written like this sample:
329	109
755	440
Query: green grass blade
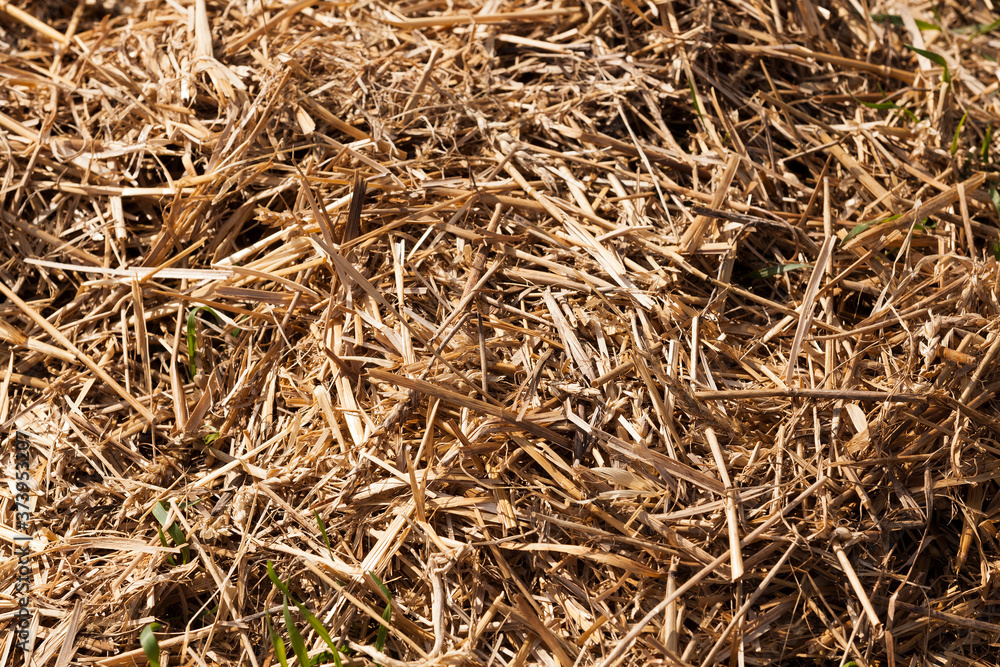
694	98
995	198
897	21
163	540
161	512
934	58
192	341
150	645
180	539
277	642
985	148
294	636
382	586
192	338
958	130
308	615
383	629
208	612
881	106
324	657
859	229
887	105
322	530
772	271
978	28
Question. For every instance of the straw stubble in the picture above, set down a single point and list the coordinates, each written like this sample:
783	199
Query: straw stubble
494	304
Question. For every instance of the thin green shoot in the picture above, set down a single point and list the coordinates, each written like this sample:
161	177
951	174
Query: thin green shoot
864	226
694	98
192	337
309	616
236	330
205	613
958	131
772	271
978	29
150	644
277	642
322	530
984	150
935	58
294	636
161	512
897	21
383	629
886	105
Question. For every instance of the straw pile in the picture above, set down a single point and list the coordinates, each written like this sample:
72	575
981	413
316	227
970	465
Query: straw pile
573	333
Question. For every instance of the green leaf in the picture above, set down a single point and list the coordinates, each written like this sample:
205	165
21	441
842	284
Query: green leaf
308	615
171	561
211	437
978	28
208	612
323	657
894	19
934	58
192	338
161	511
277	642
859	229
322	530
294	636
897	20
177	535
694	98
273	576
958	130
150	645
383	630
772	271
881	106
885	105
985	148
382	586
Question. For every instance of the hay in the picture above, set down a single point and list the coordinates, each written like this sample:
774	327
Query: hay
577	334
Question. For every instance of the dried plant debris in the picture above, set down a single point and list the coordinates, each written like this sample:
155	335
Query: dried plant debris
554	334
